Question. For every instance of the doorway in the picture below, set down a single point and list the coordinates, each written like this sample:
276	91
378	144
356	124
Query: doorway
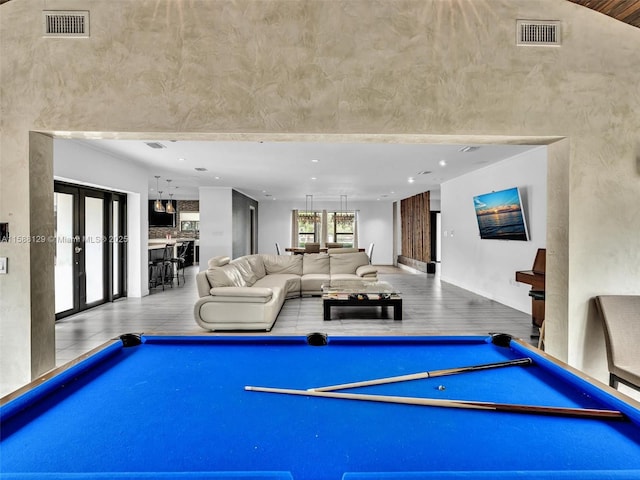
436	232
90	259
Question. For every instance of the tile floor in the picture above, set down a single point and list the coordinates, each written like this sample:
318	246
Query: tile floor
429	307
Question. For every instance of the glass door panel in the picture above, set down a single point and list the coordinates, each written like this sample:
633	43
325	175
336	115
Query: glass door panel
64	260
115	248
94	249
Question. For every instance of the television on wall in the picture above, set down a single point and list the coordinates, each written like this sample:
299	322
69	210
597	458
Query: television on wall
500	215
162	219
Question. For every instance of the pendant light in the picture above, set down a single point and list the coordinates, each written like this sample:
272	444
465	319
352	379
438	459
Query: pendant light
170	207
157	205
309	215
343	217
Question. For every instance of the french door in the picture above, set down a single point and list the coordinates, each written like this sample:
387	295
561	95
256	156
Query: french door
90	263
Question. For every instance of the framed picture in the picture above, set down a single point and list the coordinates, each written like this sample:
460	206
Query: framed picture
189	225
501	216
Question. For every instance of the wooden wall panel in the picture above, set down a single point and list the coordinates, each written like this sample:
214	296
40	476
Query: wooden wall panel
416	228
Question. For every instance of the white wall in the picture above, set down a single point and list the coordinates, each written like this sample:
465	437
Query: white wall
488	267
75	163
375	225
216	232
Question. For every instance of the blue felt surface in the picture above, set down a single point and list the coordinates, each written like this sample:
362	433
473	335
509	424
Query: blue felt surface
179	405
149	475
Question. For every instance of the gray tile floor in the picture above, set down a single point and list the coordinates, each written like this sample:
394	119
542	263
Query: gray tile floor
429	307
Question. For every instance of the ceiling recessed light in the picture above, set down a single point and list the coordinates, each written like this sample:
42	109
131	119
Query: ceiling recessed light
315	161
313	178
181	159
442	163
411	180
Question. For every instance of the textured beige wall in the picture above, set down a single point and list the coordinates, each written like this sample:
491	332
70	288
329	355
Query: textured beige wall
347	67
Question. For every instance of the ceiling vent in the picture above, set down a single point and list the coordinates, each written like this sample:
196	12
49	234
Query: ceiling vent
155	145
538	33
200	169
66	23
468	148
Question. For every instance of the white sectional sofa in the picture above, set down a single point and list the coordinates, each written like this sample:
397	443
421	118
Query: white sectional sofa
248	292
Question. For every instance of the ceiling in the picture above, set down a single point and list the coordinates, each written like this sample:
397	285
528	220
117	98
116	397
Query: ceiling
627	11
291	170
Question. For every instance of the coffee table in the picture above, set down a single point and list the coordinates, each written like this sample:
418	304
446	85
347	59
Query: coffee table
355	293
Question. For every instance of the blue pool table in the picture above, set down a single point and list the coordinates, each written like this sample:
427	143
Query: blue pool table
176	407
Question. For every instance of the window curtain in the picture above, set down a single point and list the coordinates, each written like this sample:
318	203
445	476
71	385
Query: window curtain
294	228
355	229
324	230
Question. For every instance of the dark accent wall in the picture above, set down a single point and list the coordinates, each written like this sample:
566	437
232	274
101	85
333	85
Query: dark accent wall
416	227
241	223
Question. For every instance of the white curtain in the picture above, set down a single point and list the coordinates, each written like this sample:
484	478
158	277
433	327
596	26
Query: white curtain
324	231
294	228
355	229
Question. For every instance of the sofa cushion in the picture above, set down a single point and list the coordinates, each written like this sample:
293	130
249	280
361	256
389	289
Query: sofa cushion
218	261
311	284
274	264
347	262
350	278
226	276
246	270
290	283
367	271
257	265
242	294
315	263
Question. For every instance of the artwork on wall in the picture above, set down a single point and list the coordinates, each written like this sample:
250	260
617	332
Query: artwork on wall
500	215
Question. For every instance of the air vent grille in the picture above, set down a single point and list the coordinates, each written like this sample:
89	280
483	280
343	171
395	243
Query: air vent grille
538	33
66	23
156	145
200	169
468	148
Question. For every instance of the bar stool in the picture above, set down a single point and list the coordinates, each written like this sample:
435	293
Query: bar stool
177	263
160	269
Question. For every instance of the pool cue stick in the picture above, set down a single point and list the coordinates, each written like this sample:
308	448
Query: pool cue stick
464	404
422	375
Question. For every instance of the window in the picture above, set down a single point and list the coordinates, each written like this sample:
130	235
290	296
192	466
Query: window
340	227
308	227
